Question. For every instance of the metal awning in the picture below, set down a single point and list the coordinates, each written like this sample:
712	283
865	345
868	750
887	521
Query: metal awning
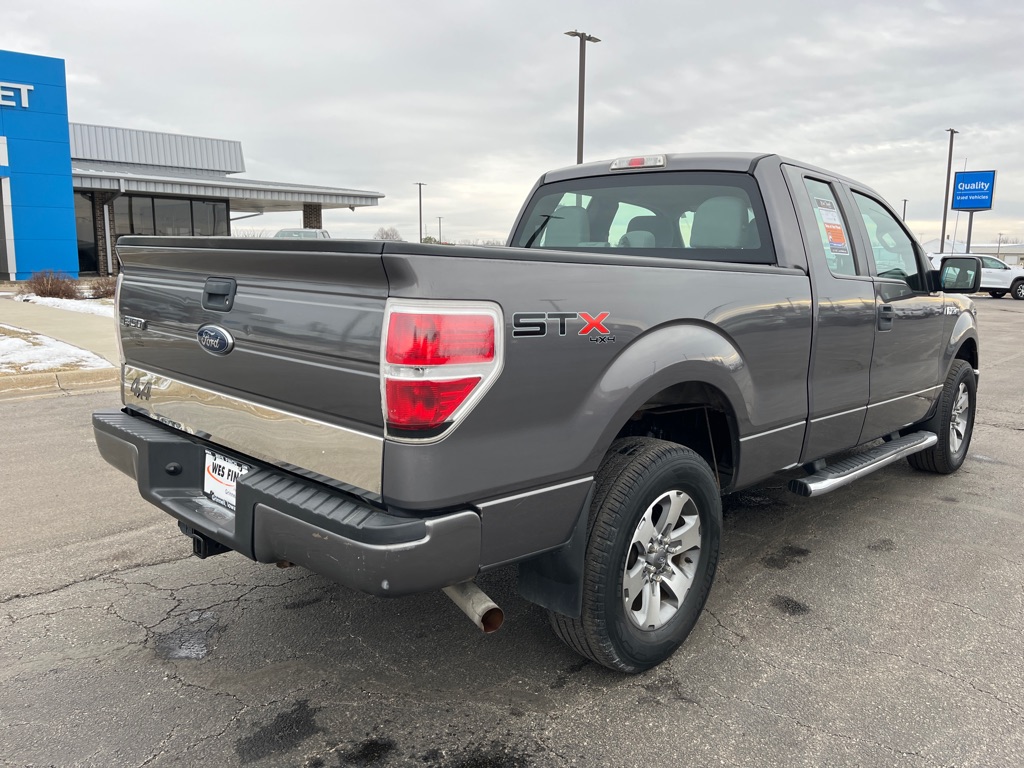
249	195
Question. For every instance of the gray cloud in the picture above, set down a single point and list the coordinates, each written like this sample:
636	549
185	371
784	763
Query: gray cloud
477	99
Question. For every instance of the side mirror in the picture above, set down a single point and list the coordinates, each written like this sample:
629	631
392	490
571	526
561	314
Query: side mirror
960	274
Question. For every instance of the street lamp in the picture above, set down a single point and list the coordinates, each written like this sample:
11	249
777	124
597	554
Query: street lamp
945	205
584	39
904	209
439	228
421	185
999	242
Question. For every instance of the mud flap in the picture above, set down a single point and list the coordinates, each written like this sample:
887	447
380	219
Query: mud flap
554	580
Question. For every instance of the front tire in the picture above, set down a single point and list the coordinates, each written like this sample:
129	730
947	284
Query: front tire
653	539
953	422
1017	290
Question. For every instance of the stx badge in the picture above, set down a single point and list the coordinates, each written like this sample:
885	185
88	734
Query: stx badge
535	324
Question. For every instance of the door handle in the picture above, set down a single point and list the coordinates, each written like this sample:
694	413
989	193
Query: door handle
219	294
886	313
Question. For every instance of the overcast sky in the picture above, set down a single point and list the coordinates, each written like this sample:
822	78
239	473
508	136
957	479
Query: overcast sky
477	99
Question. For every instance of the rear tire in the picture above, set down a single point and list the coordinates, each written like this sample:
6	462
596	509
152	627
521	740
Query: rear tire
953	422
997	294
652	548
1017	290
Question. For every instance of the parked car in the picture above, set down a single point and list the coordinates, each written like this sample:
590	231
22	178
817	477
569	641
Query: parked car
305	234
660	330
997	277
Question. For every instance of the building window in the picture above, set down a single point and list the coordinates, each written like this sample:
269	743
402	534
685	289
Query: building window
209	217
122	215
174	216
86	232
142	216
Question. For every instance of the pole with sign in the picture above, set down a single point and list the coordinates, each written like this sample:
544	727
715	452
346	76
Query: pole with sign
972	192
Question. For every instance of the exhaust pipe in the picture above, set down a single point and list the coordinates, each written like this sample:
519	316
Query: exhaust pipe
477	605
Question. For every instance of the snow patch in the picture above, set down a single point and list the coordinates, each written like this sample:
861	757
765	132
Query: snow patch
22	351
103	307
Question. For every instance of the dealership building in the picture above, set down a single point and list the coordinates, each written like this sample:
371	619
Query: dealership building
68	190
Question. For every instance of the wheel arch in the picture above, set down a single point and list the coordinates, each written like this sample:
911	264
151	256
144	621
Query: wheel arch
963	343
713	378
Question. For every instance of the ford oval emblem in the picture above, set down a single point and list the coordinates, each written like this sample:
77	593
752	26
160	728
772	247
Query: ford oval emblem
215	340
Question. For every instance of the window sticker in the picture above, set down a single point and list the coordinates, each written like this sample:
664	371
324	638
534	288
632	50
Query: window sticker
833	226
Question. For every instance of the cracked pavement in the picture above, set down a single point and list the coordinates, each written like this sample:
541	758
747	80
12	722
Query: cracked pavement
879	625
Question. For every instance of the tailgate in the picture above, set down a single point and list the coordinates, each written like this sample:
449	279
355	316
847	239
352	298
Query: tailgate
270	348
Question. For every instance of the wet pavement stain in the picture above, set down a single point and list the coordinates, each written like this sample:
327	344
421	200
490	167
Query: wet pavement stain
784	557
304	603
882	545
662	691
564	677
285	733
495	755
368	753
190	641
985	459
790	606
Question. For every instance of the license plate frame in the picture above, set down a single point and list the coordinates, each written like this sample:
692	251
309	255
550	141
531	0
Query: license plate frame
220	478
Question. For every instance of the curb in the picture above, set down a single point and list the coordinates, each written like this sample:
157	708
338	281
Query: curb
60	382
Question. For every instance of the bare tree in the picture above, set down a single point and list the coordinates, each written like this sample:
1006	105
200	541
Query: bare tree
387	233
478	241
249	232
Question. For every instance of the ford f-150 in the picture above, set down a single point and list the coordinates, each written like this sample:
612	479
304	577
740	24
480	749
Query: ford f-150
659	331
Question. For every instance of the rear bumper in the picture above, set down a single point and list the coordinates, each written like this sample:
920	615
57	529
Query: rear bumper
280	516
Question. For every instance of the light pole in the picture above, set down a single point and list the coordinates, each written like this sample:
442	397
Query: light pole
439	228
956	225
584	39
421	185
945	205
904	209
999	243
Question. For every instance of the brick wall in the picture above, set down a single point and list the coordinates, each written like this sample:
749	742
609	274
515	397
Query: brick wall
312	216
99	199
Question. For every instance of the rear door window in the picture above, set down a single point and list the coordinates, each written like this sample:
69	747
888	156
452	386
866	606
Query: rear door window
835	235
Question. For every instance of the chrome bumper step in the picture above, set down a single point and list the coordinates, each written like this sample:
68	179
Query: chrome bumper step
845	471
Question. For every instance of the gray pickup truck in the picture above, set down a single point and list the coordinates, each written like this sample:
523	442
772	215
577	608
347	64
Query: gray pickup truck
659	331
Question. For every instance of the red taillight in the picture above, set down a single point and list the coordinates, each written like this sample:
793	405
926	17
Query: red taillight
438	359
434	339
420	405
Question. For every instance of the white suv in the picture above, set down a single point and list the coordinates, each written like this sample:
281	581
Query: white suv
997	277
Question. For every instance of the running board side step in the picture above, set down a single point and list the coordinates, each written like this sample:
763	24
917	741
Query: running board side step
845	471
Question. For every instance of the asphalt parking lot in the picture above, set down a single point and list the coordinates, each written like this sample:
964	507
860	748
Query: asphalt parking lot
880	625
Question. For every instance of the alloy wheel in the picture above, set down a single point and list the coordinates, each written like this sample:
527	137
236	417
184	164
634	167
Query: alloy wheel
661	560
958	418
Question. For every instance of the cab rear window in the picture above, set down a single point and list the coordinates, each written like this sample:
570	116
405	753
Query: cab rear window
712	216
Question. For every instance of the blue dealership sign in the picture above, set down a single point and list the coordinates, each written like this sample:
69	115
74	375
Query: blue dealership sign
972	190
37	208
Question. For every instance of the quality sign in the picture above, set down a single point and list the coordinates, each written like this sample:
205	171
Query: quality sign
972	190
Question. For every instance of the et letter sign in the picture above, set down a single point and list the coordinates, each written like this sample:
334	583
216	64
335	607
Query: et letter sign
972	190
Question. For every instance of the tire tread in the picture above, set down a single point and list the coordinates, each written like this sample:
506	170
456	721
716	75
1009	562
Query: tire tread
936	459
624	468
